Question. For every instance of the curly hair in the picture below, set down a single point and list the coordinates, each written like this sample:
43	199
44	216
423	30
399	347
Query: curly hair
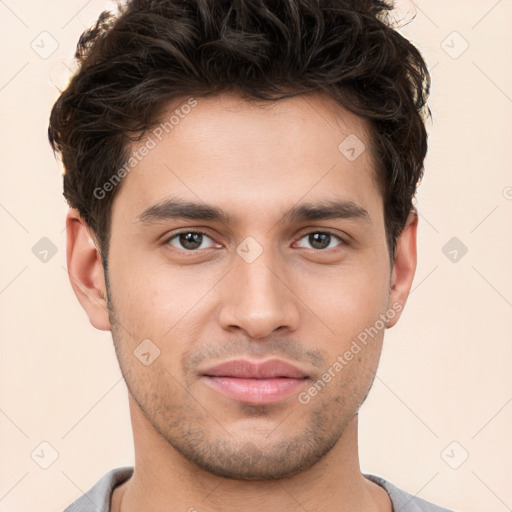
132	64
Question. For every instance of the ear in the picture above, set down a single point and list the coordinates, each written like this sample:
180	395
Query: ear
404	268
86	270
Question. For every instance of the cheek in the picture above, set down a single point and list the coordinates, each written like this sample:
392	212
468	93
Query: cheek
347	300
345	382
163	305
154	295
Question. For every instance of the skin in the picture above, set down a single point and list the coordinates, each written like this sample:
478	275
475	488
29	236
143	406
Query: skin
297	301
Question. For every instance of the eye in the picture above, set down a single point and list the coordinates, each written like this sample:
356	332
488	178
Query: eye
321	240
189	240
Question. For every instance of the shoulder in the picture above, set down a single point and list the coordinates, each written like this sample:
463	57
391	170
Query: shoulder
97	498
404	501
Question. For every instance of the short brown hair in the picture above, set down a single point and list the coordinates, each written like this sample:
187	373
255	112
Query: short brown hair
131	65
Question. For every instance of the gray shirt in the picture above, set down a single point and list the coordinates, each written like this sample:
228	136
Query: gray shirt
97	499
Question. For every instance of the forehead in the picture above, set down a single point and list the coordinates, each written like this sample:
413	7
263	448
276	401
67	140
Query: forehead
250	155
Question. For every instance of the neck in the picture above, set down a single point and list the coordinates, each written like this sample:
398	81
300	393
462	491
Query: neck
163	480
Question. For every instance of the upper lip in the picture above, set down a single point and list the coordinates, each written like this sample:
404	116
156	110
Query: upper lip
245	369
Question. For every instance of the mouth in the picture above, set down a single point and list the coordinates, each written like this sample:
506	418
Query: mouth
255	383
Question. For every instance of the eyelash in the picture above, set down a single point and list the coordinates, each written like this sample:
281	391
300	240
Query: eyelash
192	251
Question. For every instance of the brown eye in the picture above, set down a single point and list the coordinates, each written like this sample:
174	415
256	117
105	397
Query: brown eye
188	240
321	240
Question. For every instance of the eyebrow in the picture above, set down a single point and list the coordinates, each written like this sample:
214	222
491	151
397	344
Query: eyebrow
174	208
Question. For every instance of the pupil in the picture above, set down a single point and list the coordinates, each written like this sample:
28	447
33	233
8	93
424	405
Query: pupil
319	238
191	240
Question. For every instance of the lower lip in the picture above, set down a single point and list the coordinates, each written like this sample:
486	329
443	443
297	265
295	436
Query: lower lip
256	391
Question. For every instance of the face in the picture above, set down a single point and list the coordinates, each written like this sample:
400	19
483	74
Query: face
247	261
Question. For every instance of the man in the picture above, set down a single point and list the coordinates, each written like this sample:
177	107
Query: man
240	176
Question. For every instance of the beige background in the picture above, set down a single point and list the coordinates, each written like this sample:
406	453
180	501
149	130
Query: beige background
445	373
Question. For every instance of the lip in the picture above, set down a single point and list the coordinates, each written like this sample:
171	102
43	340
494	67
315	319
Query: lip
255	383
245	369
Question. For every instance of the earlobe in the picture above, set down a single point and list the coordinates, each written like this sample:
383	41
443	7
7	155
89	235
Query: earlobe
404	267
85	270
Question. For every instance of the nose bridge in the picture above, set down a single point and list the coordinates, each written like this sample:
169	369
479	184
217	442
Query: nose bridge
257	299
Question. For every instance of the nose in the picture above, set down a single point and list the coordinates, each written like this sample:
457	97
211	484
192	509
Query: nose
257	298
